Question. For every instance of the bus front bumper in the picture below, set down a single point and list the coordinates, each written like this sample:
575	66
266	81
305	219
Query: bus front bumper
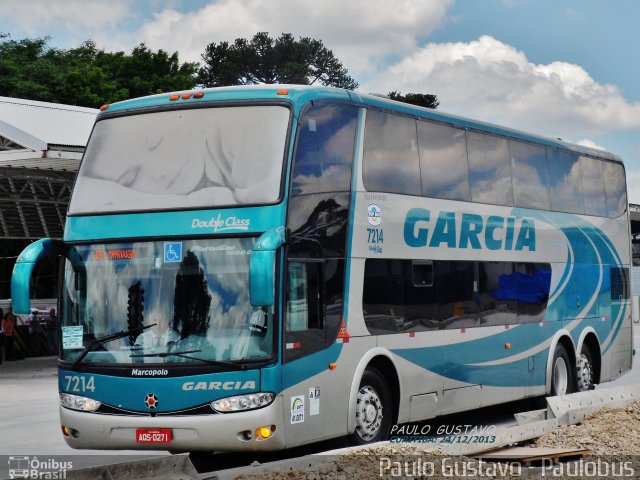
217	432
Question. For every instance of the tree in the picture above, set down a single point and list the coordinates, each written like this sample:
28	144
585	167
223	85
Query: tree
86	75
146	72
27	68
266	60
421	99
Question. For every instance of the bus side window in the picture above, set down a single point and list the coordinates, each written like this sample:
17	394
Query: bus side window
595	202
324	149
565	182
313	309
489	169
390	159
615	189
443	161
530	175
619	283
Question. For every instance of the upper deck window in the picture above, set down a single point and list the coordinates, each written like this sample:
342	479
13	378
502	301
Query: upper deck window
565	182
460	164
530	176
391	162
489	169
615	189
189	158
324	152
593	187
443	161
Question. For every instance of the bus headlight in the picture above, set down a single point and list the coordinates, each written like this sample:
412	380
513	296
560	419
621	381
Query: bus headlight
76	402
240	403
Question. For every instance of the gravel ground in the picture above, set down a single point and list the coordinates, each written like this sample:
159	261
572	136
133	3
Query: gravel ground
609	431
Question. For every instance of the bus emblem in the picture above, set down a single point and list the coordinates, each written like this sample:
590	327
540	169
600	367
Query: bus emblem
151	401
374	215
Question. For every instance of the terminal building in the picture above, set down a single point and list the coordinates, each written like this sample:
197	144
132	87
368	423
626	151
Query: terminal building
41	145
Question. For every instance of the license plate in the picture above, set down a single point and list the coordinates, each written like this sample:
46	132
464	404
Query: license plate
153	435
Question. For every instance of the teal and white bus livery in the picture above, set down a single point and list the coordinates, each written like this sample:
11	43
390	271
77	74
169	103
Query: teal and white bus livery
261	267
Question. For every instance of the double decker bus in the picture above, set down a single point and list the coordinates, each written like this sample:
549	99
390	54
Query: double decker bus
261	267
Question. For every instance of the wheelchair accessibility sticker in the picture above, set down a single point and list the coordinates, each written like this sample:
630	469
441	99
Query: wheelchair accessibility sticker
172	252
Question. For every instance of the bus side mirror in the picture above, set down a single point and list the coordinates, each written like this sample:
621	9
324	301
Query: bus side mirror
262	267
22	270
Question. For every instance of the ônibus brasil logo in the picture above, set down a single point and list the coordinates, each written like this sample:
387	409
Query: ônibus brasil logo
220	224
33	467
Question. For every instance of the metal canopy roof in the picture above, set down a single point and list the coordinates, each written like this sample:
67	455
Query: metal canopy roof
43	135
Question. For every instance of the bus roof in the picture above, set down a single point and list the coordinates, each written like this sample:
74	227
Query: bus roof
303	93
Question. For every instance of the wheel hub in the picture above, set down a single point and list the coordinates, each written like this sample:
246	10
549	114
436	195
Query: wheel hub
369	413
585	373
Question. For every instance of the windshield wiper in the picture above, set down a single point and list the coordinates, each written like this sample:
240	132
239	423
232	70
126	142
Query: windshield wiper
106	339
185	354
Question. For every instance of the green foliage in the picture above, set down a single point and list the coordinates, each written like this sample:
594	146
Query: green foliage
421	99
266	60
87	76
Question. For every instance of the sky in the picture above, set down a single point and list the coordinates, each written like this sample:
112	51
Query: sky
560	68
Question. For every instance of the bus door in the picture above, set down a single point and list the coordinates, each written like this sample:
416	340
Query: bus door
313	310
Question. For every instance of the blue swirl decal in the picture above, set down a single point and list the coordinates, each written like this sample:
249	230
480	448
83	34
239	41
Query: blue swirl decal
580	298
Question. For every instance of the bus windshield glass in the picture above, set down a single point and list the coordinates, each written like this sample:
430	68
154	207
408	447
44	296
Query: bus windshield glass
181	302
187	158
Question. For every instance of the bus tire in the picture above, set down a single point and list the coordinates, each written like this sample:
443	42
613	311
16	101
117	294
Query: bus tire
562	373
374	410
585	370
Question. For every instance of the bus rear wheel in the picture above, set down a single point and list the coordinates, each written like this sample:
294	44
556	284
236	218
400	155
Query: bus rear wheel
585	370
562	373
373	409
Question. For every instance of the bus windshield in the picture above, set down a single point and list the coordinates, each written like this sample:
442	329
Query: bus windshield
182	302
183	159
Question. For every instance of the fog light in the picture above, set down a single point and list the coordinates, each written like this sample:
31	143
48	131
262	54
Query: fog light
263	433
69	432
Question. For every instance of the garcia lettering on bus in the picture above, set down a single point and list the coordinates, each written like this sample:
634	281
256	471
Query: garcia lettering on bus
248	385
468	230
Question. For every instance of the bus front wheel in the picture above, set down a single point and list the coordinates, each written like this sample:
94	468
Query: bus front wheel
562	370
373	409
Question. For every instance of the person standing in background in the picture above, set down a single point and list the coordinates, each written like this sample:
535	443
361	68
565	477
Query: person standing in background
52	332
8	327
